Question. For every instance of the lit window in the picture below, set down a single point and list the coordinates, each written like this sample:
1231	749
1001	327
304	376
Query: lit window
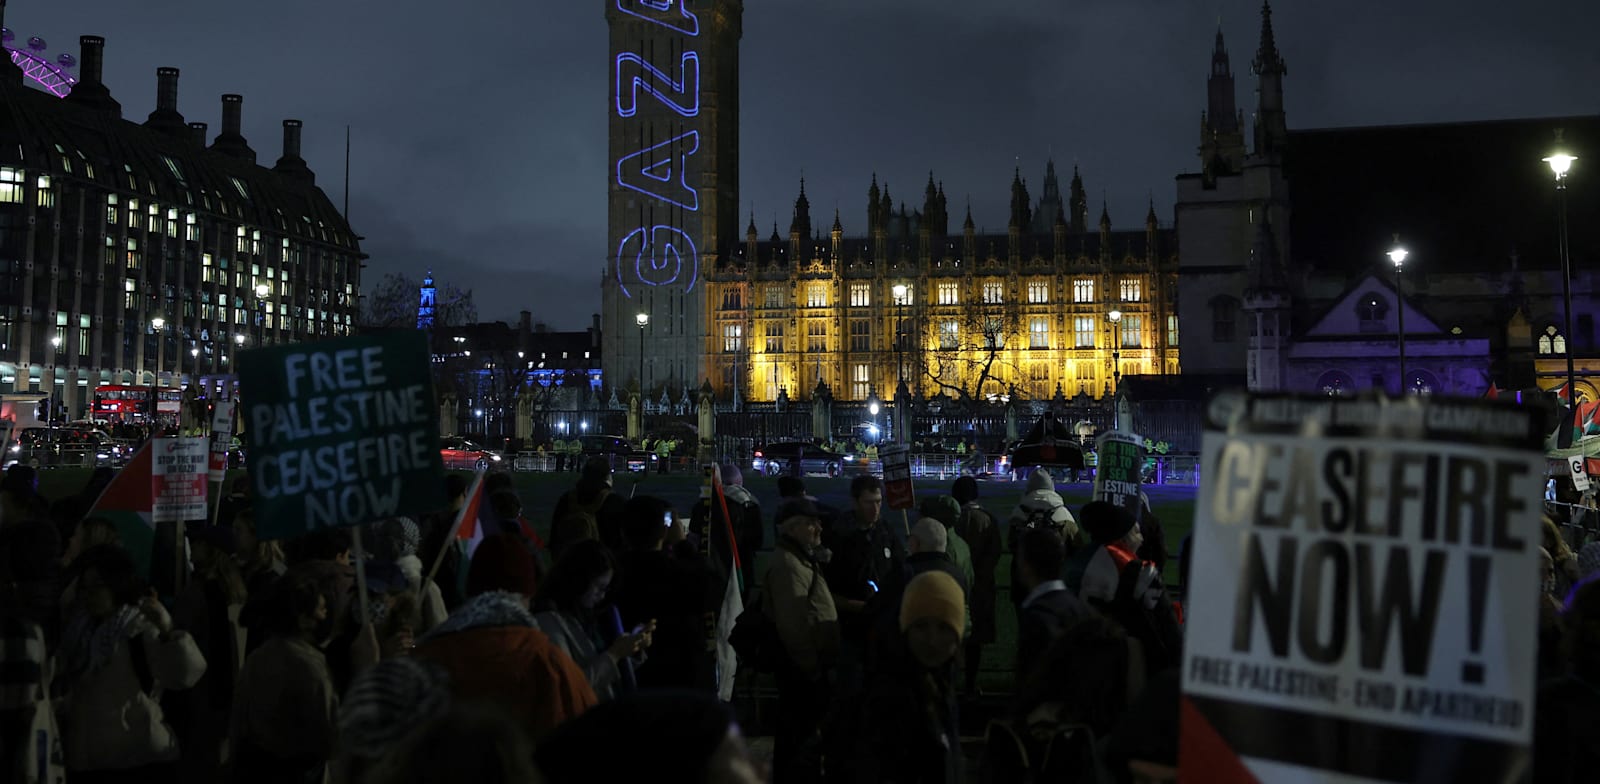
238	185
860	381
1131	327
993	293
949	293
817	336
1038	292
46	197
177	173
1039	332
817	295
949	334
1552	342
860	295
10	185
111	205
1083	329
1172	331
1131	289
732	338
774	337
1083	290
773	297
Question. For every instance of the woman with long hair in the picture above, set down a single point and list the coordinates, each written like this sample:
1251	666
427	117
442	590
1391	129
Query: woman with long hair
570	609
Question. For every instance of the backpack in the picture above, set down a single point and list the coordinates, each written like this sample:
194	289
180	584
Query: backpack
754	636
579	523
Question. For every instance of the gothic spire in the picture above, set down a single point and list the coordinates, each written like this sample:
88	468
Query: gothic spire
837	226
1267	61
802	213
1021	210
1079	204
875	214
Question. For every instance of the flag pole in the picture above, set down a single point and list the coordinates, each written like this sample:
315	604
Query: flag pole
455	528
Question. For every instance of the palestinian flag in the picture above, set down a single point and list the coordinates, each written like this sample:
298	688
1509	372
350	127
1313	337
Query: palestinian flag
469	522
1584	421
732	601
127	502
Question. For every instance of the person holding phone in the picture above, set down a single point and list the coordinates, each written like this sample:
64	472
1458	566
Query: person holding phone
569	614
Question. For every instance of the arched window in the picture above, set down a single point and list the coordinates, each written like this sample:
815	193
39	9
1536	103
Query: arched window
1372	311
1552	341
1336	382
1421	382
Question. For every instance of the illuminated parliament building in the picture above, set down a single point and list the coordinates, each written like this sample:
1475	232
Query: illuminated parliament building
150	253
1053	306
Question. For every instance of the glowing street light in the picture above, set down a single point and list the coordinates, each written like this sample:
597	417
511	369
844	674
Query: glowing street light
1560	163
1398	255
643	320
900	292
158	324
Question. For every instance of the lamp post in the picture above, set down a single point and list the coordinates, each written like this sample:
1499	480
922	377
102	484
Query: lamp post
1560	162
643	320
261	313
1116	363
194	380
158	324
899	335
1398	256
873	408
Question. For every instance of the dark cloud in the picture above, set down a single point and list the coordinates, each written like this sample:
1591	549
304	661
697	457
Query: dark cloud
479	127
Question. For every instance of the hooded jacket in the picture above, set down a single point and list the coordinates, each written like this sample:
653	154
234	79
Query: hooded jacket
1041	497
494	651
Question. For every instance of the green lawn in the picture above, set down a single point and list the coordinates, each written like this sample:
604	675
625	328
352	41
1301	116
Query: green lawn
539	492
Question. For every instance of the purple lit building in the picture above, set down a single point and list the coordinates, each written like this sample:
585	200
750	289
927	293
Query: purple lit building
1284	280
139	253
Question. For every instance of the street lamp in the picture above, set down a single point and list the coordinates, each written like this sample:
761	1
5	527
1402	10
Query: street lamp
1116	349
1560	162
873	408
158	324
238	339
643	320
899	335
1398	256
261	313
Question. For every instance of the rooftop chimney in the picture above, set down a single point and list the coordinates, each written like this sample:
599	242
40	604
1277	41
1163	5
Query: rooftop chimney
232	112
230	141
166	117
91	59
90	92
197	131
291	164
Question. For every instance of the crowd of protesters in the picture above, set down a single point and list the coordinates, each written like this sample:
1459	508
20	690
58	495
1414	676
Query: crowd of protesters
593	656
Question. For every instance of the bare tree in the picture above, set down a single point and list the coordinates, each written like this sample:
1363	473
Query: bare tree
971	354
393	304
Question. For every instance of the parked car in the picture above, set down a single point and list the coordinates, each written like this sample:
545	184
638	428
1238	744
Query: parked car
781	457
621	452
459	452
51	447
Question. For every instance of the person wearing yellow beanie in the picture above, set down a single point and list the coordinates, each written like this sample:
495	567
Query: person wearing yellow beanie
932	614
909	729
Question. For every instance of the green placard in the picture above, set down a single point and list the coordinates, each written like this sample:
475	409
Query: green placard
1118	472
342	432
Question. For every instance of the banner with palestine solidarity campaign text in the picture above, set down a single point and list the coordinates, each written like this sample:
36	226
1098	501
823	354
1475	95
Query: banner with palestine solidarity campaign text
1365	591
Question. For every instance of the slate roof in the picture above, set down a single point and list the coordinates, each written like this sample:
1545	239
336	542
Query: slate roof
33	123
1462	196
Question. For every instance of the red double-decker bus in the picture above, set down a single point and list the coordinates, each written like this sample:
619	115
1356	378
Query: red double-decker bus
127	403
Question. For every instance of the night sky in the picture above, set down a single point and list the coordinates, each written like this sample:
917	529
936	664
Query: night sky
479	127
